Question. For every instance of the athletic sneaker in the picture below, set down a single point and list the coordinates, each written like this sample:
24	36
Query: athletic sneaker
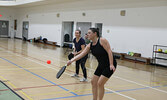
83	80
75	75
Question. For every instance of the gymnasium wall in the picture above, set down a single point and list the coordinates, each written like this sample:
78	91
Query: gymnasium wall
8	14
137	31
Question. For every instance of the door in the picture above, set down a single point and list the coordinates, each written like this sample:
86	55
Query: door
99	26
67	31
83	26
25	30
4	27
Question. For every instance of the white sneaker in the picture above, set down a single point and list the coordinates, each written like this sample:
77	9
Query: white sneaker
75	75
83	80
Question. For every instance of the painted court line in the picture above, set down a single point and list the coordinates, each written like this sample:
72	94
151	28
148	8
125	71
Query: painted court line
126	90
69	74
32	87
38	62
76	94
16	87
121	78
31	59
140	84
120	94
132	82
108	89
39	76
83	83
45	55
6	56
135	82
20	69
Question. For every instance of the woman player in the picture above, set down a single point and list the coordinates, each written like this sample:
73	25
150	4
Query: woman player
79	43
100	48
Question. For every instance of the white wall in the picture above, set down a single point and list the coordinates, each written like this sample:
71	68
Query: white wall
8	14
138	31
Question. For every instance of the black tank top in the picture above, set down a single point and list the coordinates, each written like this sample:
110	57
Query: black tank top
100	53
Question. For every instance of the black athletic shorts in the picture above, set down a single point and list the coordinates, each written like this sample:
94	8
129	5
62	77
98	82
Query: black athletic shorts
103	69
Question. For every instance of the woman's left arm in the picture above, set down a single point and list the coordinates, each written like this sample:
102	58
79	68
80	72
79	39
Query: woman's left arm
106	46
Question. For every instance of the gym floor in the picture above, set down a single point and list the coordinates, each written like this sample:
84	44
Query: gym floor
24	69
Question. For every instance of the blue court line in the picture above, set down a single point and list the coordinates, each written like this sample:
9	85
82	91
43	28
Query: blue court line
68	97
39	76
106	92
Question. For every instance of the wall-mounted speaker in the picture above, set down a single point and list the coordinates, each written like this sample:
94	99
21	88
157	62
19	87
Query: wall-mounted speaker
123	12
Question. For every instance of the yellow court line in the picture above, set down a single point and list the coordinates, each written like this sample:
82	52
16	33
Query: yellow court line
16	87
16	69
50	93
79	90
60	92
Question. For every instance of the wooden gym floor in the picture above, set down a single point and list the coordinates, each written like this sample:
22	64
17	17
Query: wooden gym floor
24	69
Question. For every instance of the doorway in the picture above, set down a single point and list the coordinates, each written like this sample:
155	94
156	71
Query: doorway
83	26
67	32
25	30
99	26
4	28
